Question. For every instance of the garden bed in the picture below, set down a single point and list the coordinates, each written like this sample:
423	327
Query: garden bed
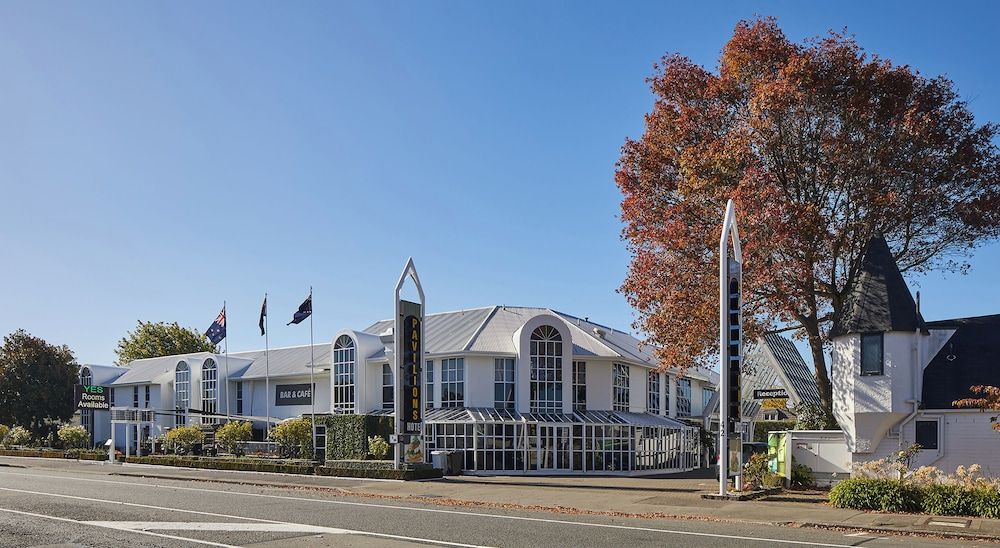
227	463
55	454
892	495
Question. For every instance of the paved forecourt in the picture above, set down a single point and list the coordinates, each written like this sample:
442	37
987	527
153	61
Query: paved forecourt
84	505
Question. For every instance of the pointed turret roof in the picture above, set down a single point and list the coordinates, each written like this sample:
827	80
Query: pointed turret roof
879	300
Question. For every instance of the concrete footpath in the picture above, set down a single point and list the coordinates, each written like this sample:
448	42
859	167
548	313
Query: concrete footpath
650	498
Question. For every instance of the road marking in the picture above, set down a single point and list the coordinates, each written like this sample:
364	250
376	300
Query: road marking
212	526
97	524
429	510
213	514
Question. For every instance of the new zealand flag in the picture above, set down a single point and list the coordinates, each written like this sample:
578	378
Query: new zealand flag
217	331
305	310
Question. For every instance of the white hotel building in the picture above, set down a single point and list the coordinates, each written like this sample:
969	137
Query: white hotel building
518	390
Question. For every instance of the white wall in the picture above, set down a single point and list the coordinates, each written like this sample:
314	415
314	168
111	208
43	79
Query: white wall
598	385
479	377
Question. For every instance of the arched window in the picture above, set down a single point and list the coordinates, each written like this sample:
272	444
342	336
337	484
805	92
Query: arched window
182	393
209	389
87	415
546	370
344	355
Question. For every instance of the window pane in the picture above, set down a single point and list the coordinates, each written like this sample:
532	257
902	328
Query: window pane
871	354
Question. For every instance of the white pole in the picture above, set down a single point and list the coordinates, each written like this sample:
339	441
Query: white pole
312	369
226	385
267	376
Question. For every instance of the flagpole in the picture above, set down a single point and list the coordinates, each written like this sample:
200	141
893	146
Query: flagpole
267	376
312	371
225	319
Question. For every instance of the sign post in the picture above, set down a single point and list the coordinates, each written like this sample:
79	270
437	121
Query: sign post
730	351
408	359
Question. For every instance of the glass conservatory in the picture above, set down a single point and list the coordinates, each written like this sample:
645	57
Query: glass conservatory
600	442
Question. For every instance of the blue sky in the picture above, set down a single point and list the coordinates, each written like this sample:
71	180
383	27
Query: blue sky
158	158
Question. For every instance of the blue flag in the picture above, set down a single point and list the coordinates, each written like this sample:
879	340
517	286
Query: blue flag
305	310
217	331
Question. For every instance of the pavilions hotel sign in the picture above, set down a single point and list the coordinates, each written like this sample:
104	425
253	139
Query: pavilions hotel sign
90	396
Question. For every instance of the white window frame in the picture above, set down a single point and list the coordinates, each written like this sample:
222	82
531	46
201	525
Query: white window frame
504	374
545	354
653	396
429	384
209	390
387	382
182	392
344	374
682	409
579	383
620	393
452	381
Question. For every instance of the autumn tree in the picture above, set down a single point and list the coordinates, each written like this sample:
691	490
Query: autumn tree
36	383
987	399
152	340
821	145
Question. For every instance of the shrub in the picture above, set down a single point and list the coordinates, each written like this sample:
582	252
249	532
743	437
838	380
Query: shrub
184	438
757	473
294	438
73	437
884	495
986	502
378	448
802	475
4	430
18	435
232	435
811	416
946	500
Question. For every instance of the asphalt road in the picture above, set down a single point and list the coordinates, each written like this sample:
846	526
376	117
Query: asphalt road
44	506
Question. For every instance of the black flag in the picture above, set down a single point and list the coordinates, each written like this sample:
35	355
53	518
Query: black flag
305	310
263	314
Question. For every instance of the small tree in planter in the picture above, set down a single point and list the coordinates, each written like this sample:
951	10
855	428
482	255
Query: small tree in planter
73	437
294	438
232	435
378	448
184	438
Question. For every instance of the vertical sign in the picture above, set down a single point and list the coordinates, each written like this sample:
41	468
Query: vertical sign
410	386
730	350
734	345
408	357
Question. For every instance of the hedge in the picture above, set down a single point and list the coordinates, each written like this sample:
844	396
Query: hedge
214	463
761	428
889	495
56	454
347	435
376	469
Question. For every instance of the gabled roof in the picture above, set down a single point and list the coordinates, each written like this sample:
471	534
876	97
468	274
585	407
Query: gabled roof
284	362
774	362
490	330
149	369
967	359
879	300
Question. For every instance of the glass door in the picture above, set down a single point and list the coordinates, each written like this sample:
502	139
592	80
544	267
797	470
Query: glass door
553	447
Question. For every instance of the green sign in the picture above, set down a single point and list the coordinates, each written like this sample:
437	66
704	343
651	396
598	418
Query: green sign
92	396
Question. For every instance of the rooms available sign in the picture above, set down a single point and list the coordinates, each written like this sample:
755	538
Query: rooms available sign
90	396
293	394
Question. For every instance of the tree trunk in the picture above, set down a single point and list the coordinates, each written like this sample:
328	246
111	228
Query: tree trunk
819	362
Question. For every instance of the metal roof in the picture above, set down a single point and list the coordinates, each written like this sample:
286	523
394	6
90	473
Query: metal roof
967	359
284	362
774	362
149	370
879	300
490	414
491	330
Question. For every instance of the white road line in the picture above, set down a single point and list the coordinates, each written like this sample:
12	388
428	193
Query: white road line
213	514
96	524
214	526
437	511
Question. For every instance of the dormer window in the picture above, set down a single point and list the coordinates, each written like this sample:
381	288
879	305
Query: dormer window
872	354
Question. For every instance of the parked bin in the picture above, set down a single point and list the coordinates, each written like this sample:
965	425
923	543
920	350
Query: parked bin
439	459
456	462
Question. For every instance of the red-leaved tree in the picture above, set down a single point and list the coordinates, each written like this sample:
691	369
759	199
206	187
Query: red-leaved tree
822	146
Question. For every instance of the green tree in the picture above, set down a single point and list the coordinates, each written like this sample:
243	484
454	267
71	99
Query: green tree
184	438
152	340
232	435
36	383
294	438
18	435
73	437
